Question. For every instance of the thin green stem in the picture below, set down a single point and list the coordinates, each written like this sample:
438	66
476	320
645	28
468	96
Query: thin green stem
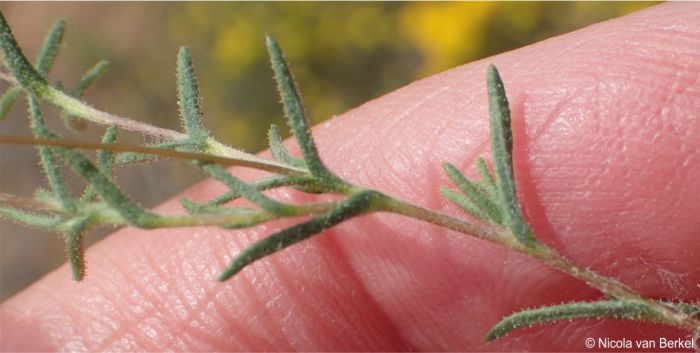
226	161
353	206
611	287
494	234
260	185
489	233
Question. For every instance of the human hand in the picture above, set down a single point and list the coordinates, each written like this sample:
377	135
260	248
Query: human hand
606	161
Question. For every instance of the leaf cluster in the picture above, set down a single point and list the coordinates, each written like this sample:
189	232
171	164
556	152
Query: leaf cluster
491	201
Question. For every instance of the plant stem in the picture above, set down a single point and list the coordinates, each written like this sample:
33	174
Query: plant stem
266	165
547	255
74	106
612	287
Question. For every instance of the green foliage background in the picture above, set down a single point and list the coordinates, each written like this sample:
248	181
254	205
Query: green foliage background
342	54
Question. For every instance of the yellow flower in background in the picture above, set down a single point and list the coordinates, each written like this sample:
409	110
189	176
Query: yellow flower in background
234	46
446	33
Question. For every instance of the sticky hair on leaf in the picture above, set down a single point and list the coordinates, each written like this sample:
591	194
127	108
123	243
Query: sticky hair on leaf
502	153
279	152
92	74
188	97
613	309
89	77
294	110
49	50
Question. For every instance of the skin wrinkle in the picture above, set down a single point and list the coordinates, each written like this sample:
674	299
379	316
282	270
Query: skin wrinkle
53	331
298	328
117	332
397	169
276	280
271	281
534	210
468	334
424	289
249	290
342	258
209	317
130	322
168	317
145	293
330	246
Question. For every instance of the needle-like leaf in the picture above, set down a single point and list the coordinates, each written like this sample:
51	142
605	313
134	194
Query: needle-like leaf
105	160
8	99
279	152
465	204
21	69
89	77
109	192
30	219
352	206
260	185
502	152
46	158
85	81
188	98
49	49
478	196
75	246
294	110
44	61
247	191
486	181
614	309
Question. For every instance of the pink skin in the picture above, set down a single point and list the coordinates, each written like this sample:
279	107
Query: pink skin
607	164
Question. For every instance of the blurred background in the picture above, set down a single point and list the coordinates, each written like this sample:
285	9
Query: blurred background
341	54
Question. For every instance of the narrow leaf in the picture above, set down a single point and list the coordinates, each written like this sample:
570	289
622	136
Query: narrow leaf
487	181
30	219
88	78
264	184
85	81
294	110
8	99
75	247
49	49
502	151
247	191
464	203
475	194
279	152
105	160
188	97
134	157
18	64
28	204
46	158
109	192
615	309
352	206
